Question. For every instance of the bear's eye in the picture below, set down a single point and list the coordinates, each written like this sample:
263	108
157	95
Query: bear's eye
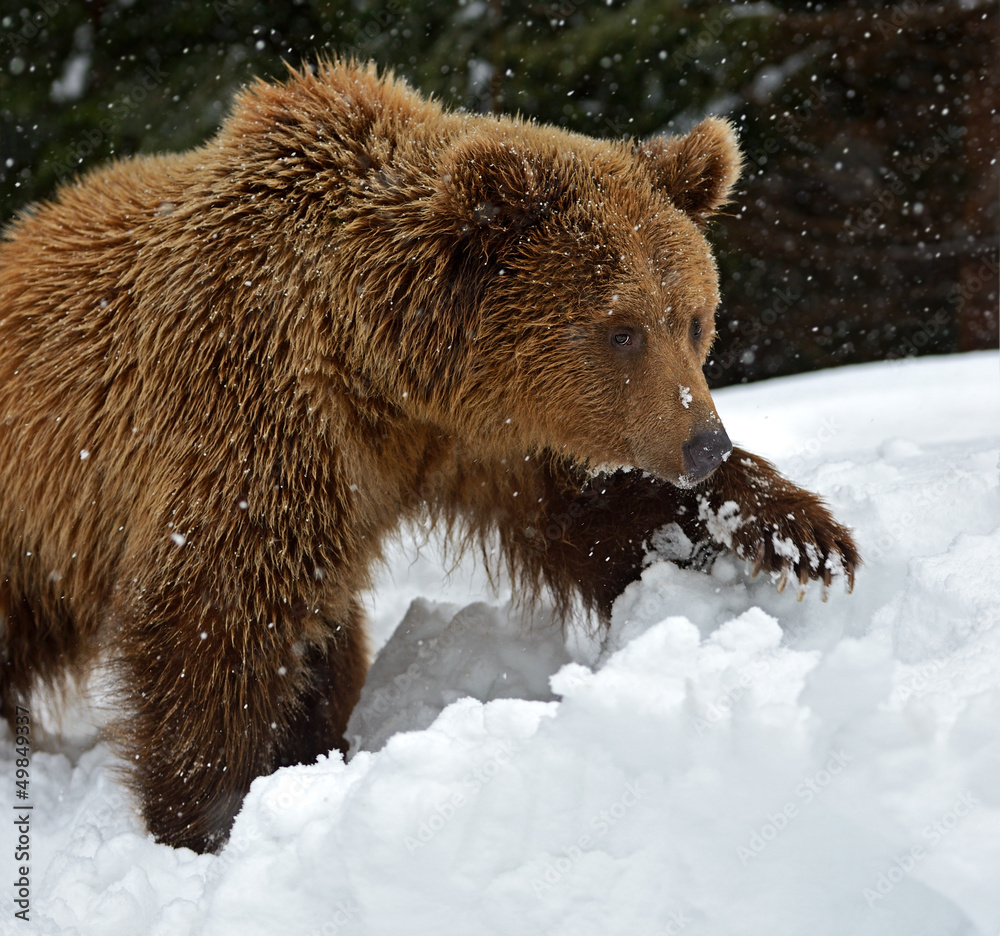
696	331
626	339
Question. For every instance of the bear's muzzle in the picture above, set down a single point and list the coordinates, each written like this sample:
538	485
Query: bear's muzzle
704	452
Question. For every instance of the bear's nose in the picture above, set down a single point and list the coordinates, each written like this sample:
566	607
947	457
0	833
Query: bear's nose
704	453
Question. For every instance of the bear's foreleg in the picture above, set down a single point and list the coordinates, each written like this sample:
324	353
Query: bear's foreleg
214	696
591	536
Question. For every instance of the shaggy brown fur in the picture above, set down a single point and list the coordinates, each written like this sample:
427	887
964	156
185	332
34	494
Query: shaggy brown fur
227	375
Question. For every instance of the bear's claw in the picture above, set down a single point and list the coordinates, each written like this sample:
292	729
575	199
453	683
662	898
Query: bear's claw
841	558
801	545
786	531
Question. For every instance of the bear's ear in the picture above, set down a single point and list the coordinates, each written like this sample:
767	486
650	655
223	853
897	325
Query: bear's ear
697	171
496	185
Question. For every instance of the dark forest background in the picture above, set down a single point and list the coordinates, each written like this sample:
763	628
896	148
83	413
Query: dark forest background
865	227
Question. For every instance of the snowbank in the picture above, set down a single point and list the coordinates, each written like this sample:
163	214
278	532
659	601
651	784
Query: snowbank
725	761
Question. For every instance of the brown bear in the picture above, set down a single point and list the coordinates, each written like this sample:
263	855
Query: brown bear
226	377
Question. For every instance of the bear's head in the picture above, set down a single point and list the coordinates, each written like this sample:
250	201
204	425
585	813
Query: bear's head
596	290
506	282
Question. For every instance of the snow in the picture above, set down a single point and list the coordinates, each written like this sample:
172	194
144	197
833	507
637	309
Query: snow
724	761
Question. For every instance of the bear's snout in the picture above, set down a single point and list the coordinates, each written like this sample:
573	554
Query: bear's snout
704	452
